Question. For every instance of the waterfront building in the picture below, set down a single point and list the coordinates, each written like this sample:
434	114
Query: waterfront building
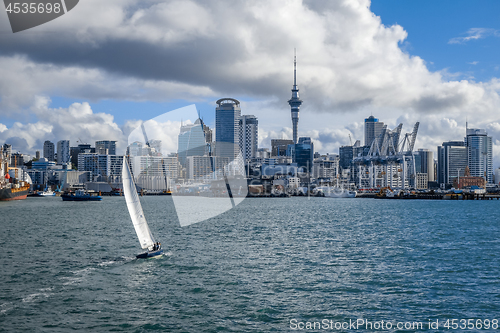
102	167
248	136
326	167
468	181
149	172
206	167
424	164
48	150
421	181
452	160
373	130
295	102
191	141
227	118
63	155
171	167
105	147
480	154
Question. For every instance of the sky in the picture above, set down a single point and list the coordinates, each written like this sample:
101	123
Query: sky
97	71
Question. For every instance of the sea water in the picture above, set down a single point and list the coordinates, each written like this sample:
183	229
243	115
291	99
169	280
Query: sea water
268	265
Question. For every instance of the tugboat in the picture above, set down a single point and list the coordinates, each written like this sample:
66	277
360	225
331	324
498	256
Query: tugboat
80	195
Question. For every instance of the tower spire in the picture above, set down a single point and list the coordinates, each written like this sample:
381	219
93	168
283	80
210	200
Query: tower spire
295	101
295	68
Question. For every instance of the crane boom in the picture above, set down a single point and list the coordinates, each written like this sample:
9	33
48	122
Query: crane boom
413	136
144	134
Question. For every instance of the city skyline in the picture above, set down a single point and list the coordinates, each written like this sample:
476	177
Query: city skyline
397	78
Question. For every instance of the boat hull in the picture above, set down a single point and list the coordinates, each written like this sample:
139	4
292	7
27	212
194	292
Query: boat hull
7	194
67	197
344	194
337	192
150	254
45	194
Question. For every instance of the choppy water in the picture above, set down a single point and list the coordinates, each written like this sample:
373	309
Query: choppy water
70	266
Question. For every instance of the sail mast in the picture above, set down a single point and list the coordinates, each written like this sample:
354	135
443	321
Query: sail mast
135	209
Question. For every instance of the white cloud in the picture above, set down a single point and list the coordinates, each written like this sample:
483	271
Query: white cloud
22	80
474	34
349	65
77	122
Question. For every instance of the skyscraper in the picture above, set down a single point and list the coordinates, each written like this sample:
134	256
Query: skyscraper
295	102
452	160
48	150
192	141
480	154
248	136
304	154
63	156
424	163
227	118
373	129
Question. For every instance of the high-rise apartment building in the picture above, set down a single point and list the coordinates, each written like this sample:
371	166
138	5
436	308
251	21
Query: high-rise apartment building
48	150
63	156
452	161
105	147
373	130
248	136
227	118
101	166
480	154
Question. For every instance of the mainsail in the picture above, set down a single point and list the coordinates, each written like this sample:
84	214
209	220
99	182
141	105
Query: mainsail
135	208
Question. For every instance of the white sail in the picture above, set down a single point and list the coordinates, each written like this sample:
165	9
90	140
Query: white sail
135	208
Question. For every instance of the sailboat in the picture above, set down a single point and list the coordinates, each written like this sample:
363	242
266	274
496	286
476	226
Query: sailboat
137	215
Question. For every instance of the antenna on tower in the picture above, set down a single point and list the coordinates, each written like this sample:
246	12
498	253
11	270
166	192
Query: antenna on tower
295	67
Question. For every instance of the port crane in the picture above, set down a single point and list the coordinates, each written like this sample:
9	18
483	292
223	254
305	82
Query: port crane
385	164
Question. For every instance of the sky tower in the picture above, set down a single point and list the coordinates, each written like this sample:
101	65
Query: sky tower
295	101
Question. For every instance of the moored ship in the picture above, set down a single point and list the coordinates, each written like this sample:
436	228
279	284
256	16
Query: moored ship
14	191
14	182
80	195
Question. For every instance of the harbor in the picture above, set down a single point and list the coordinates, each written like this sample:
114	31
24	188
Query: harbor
246	269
